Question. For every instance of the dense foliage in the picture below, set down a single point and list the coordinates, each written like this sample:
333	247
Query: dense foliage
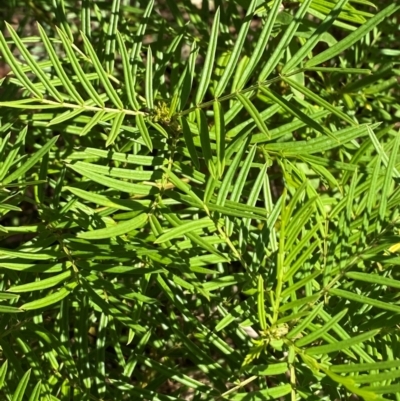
199	200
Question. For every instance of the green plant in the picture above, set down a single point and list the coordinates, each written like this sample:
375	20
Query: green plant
199	204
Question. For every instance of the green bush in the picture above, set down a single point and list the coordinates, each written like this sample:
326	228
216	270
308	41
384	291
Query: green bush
199	202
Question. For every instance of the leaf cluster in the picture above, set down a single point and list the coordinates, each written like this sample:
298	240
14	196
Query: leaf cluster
199	200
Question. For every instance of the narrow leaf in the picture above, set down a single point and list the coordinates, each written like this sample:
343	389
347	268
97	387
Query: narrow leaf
205	140
219	136
149	79
251	109
20	391
234	57
341	345
117	230
207	67
50	299
181	230
353	37
299	56
364	300
31	162
42	284
144	131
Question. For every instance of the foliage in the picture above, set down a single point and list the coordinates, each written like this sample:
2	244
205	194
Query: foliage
199	203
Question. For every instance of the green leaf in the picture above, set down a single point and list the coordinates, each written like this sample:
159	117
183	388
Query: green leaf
120	204
3	373
319	333
50	299
388	182
319	144
141	160
261	44
326	24
305	322
33	65
237	49
341	345
389	389
207	68
188	136
260	304
364	300
17	69
9	309
295	111
287	37
58	67
378	147
44	255
205	140
353	37
31	162
182	185
135	51
184	88
42	284
300	283
111	92
36	392
129	78
115	128
149	79
176	222
123	186
172	373
144	131
116	230
359	367
13	153
270	394
248	105
267	370
20	391
317	99
111	35
220	137
181	230
68	115
90	90
136	392
374	279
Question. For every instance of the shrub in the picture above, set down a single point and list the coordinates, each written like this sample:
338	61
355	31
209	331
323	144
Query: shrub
199	203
